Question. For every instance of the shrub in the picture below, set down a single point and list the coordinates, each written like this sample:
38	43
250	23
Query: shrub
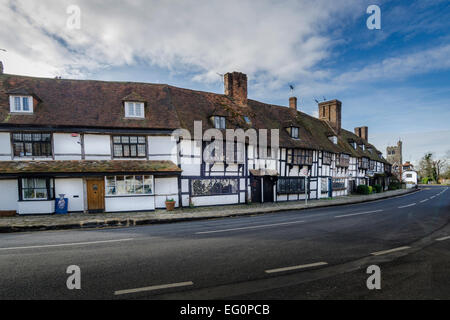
362	189
378	188
394	186
370	189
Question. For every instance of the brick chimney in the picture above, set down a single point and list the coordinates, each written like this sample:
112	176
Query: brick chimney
331	112
1	67
236	87
362	132
293	103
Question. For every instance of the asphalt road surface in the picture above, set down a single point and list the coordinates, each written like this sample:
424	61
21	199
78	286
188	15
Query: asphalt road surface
311	254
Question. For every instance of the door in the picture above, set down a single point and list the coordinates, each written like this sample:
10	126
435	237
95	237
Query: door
96	195
255	183
268	189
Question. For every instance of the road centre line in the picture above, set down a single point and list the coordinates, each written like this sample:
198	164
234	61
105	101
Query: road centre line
443	239
407	206
305	266
424	200
154	288
252	227
379	253
66	244
358	214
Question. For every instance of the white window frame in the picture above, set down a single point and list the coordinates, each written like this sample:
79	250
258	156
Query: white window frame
295	130
118	195
220	122
333	139
134	110
20	107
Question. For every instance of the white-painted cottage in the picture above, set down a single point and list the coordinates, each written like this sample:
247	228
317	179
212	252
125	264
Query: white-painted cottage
109	147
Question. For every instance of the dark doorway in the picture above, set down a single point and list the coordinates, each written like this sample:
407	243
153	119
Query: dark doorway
265	194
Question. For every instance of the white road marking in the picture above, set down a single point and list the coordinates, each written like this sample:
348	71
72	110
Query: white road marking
424	200
305	266
253	227
66	244
409	205
357	214
443	239
379	253
153	288
432	197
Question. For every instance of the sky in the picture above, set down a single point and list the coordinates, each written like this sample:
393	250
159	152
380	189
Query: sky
395	80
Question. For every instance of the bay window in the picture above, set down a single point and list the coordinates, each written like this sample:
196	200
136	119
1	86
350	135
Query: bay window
129	185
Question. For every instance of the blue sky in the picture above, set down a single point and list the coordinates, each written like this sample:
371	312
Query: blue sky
395	80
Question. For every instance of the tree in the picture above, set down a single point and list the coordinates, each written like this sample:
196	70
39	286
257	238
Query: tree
431	169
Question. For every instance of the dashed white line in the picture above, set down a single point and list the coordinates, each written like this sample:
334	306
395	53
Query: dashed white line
252	227
66	244
379	253
357	214
443	239
305	266
407	206
154	288
423	201
432	197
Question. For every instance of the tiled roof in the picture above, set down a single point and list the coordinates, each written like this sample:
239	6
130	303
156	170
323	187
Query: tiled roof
99	104
87	166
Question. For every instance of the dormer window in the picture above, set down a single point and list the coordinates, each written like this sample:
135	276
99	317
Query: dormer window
353	145
134	110
21	104
294	133
219	122
362	146
333	139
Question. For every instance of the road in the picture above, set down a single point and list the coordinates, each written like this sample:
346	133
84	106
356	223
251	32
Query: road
311	254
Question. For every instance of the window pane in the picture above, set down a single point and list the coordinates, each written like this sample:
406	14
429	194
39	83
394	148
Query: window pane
25	104
139	185
217	122
17	103
141	140
28	149
141	150
118	150
138	109
222	123
133	151
126	150
133	139
125	139
41	193
116	139
130	185
130	109
120	185
27	137
19	149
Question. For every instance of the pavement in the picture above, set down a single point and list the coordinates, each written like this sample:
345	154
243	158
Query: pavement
131	219
317	253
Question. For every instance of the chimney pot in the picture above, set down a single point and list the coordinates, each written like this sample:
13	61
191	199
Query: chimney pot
293	103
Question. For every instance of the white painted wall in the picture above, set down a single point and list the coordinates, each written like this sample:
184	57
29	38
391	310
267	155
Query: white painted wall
36	207
130	204
9	195
166	188
5	146
71	188
66	147
97	147
215	200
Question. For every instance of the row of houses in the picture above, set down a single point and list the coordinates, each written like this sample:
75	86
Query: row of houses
110	147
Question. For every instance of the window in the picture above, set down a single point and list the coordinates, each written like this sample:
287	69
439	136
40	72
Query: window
247	120
21	104
363	163
129	147
362	146
37	189
333	139
129	185
324	185
327	158
294	185
32	144
134	110
338	184
300	156
294	133
343	160
219	123
409	175
353	144
211	187
372	165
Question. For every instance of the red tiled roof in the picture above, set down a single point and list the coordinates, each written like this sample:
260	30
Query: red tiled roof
87	166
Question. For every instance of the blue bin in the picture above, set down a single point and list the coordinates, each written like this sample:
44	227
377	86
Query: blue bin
61	205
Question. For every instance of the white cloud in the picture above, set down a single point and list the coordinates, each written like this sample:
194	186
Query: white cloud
275	41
